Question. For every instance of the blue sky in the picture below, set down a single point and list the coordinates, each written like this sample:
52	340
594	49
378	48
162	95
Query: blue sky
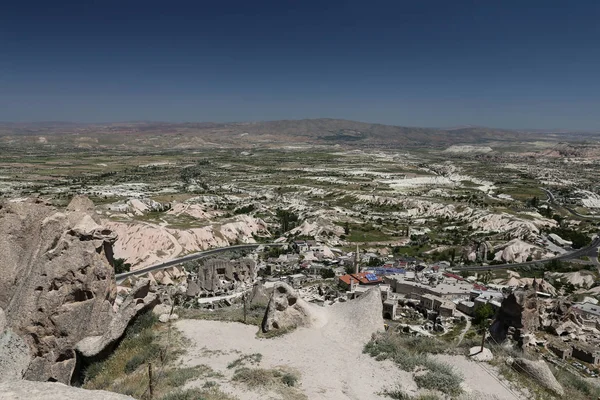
508	64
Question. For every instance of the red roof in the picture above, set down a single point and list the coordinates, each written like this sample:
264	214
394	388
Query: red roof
457	277
361	278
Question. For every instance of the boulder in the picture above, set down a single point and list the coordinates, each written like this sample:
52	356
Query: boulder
160	309
27	390
565	327
258	295
539	372
286	310
132	306
164	318
477	354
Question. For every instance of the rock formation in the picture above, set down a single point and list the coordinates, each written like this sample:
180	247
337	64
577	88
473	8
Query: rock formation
217	276
14	354
57	285
27	390
286	310
259	295
519	314
140	299
539	372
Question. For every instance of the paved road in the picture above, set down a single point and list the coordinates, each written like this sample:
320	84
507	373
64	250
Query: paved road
590	251
190	257
552	200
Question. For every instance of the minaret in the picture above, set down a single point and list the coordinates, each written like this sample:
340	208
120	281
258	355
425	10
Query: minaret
356	260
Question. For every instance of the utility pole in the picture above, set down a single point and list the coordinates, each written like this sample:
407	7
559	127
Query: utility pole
482	340
150	382
244	300
356	261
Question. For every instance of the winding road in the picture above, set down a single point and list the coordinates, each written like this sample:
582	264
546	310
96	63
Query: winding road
190	257
590	251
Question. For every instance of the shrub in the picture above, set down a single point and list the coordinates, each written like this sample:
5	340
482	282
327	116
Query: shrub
437	380
289	379
409	353
134	362
197	394
252	358
254	377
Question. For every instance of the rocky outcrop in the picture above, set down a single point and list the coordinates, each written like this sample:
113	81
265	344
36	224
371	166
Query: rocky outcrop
259	295
286	310
27	390
539	372
518	316
14	354
57	284
219	276
139	300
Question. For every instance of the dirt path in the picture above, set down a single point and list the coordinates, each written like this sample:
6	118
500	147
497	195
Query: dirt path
463	333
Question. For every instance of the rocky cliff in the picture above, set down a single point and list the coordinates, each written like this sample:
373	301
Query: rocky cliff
57	286
518	316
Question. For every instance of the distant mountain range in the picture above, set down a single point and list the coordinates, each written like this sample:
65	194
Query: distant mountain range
322	131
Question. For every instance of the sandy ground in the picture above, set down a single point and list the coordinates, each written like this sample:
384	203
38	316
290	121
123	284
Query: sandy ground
330	361
329	369
328	355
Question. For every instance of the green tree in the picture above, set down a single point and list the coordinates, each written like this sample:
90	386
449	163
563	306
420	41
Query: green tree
287	219
487	277
482	314
535	201
121	266
327	273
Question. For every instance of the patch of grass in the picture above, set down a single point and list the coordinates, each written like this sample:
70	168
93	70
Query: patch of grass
147	341
366	233
254	358
519	380
256	377
179	376
140	345
411	352
455	332
576	388
398	393
198	394
437	380
274	332
254	314
284	382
